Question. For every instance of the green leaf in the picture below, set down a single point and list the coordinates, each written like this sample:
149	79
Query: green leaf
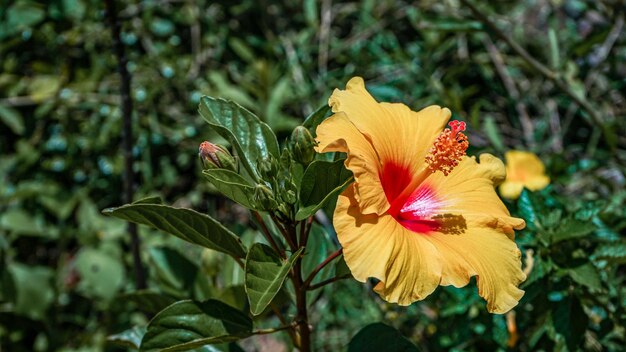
380	337
265	275
586	275
34	290
541	268
554	49
149	200
20	16
130	338
242	49
570	321
101	274
313	120
454	24
527	209
230	91
279	95
341	268
232	185
43	87
321	181
149	301
183	223
311	13
614	252
492	132
572	229
234	296
174	273
252	139
12	118
20	222
188	324
499	330
162	27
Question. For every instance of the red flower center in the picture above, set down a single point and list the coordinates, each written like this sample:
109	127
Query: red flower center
414	203
415	211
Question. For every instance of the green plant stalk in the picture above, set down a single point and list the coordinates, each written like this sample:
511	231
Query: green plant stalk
302	317
268	234
127	137
272	330
302	338
291	240
302	320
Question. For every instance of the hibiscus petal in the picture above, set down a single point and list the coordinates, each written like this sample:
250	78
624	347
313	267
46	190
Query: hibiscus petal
469	190
338	134
407	264
488	253
398	134
478	238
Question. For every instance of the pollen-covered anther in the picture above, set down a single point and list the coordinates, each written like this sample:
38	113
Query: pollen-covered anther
448	149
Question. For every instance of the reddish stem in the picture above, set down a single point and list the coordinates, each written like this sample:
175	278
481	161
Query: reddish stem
268	234
330	258
328	281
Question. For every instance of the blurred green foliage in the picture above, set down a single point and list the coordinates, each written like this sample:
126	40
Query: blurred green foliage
66	272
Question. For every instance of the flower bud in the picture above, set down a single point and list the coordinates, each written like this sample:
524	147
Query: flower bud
303	144
264	197
289	193
290	197
268	167
215	156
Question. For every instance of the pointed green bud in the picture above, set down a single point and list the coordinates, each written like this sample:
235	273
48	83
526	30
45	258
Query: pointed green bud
290	197
268	167
215	156
285	209
264	197
303	143
285	158
289	192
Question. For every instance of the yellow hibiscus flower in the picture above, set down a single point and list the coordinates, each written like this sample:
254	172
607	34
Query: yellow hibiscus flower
523	169
420	213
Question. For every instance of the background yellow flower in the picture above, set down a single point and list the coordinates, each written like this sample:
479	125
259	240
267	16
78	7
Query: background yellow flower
523	169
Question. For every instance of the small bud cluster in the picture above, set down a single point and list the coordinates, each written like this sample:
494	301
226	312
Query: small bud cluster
448	149
275	187
264	197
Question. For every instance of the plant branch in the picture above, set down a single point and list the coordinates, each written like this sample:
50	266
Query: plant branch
290	241
268	235
273	330
321	266
328	281
241	264
304	238
127	137
538	66
303	341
